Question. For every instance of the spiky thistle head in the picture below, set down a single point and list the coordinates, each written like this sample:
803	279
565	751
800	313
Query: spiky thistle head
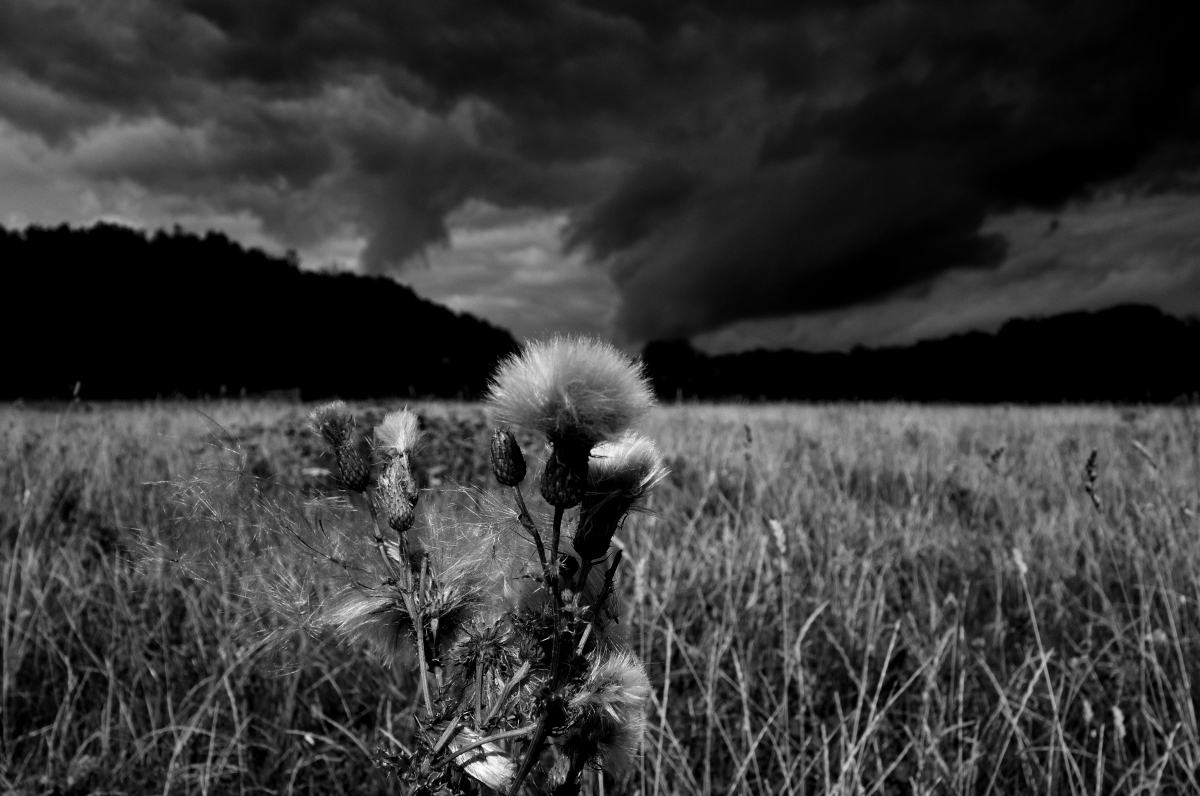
619	476
574	389
334	422
609	711
395	486
397	489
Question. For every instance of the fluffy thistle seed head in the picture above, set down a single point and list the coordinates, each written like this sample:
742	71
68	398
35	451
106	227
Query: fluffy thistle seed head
610	708
570	389
398	432
377	616
619	476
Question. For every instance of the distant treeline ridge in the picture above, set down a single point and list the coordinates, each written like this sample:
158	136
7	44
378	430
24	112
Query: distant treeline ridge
131	315
125	314
1125	354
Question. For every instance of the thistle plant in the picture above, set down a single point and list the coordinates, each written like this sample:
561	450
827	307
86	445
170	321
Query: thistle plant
524	678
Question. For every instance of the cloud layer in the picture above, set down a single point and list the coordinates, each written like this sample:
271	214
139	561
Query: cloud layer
721	161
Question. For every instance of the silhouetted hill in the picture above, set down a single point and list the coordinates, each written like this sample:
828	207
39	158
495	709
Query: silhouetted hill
1124	354
131	315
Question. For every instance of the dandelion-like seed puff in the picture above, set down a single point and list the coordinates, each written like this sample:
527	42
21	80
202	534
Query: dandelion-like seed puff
571	388
611	710
577	391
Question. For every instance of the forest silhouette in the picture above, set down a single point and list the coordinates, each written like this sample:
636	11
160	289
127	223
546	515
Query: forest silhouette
108	312
1124	354
125	314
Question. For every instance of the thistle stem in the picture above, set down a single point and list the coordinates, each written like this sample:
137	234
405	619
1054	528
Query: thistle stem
531	754
585	569
556	645
527	523
539	736
447	734
379	541
504	692
419	627
479	695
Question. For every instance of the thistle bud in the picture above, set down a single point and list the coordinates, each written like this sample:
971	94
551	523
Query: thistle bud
508	463
565	474
397	493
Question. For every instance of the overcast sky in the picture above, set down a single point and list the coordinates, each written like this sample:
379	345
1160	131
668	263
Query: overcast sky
815	174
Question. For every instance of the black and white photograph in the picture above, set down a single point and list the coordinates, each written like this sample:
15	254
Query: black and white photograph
600	397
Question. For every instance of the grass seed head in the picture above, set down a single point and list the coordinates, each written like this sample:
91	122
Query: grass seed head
570	388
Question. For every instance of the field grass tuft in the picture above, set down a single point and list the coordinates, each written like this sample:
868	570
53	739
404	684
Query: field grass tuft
843	599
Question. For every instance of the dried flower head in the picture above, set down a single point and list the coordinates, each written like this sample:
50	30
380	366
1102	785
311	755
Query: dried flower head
619	476
487	764
334	422
398	432
571	389
610	708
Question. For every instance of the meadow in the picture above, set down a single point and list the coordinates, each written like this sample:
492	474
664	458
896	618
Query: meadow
841	599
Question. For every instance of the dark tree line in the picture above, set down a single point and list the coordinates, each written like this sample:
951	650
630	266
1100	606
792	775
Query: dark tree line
130	315
1125	354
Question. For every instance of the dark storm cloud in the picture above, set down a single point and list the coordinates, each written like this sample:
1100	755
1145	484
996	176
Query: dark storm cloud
726	160
958	111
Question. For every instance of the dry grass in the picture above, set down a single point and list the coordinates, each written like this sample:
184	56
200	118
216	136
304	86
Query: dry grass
830	599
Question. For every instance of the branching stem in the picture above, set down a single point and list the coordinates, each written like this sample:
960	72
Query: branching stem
534	750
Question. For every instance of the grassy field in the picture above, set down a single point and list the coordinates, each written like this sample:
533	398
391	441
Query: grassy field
844	599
